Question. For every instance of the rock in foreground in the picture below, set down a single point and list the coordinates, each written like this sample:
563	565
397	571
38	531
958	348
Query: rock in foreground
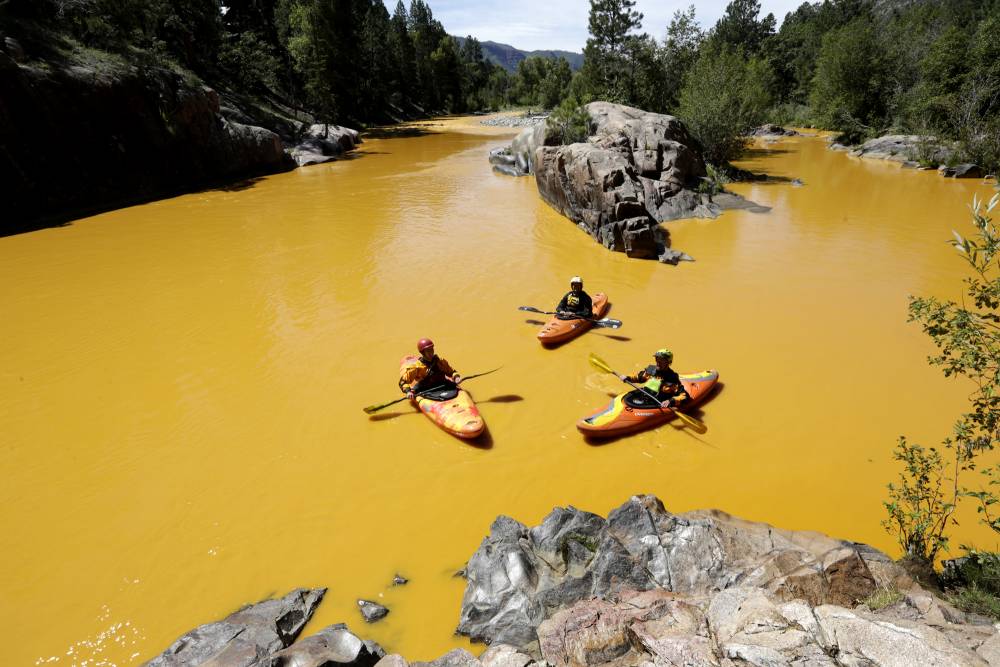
646	587
519	576
245	636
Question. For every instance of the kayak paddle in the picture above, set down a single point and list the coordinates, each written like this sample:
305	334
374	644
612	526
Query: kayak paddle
600	364
372	409
606	322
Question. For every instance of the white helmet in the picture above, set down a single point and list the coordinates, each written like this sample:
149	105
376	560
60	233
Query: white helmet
576	279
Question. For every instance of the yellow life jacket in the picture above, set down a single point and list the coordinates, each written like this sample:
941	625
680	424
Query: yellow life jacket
653	383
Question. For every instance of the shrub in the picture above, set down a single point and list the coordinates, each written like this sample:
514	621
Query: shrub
723	98
569	122
967	336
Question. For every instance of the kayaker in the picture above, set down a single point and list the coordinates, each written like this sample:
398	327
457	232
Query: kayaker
661	380
576	303
431	372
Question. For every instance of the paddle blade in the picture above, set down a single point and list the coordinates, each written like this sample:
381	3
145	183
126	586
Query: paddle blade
608	323
599	364
530	309
691	421
378	406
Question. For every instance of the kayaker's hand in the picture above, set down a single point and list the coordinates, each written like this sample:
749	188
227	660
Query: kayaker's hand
666	404
621	377
456	378
410	395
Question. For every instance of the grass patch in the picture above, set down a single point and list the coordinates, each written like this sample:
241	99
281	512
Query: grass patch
975	600
973	583
884	596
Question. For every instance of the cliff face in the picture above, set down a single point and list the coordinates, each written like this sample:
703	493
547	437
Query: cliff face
78	137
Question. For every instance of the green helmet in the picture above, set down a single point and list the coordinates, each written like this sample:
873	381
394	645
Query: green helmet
664	353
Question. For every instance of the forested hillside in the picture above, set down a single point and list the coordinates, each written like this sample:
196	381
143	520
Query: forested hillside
862	67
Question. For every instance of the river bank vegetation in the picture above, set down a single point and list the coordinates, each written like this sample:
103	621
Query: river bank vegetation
935	481
859	67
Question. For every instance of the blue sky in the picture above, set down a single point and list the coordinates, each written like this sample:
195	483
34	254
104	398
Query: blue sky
562	24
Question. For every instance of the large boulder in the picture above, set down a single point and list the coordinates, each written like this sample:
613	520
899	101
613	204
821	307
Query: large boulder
245	637
903	148
323	142
519	576
636	170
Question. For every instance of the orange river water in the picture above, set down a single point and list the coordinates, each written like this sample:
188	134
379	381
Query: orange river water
181	383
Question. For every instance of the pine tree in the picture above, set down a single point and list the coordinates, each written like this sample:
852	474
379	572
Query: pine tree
403	56
606	67
739	27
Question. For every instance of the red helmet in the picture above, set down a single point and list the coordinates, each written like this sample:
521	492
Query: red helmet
424	343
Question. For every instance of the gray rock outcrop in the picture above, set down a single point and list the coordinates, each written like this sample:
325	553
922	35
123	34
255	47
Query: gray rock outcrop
772	130
323	142
636	170
907	149
122	135
963	171
519	576
331	646
246	637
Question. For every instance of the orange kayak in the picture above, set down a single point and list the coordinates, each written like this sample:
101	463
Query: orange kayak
634	411
451	408
558	331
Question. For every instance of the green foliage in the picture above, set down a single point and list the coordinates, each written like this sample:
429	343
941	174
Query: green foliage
974	582
607	66
883	596
251	60
679	54
791	114
975	600
723	97
967	336
541	81
849	88
741	28
714	181
976	568
569	123
921	504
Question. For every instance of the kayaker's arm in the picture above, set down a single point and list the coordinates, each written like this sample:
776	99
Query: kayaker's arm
637	378
561	307
448	371
410	377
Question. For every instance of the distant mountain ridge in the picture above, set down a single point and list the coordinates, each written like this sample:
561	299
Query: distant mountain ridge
508	56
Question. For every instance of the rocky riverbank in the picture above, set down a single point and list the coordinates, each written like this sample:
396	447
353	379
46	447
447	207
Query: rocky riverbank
643	587
915	152
83	131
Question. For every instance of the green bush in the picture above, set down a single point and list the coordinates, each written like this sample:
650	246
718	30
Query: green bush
851	85
723	98
967	337
791	114
569	122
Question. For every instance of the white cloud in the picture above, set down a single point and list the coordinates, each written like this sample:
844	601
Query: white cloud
562	24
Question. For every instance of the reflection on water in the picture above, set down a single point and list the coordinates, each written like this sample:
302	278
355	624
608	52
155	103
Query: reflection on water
181	383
